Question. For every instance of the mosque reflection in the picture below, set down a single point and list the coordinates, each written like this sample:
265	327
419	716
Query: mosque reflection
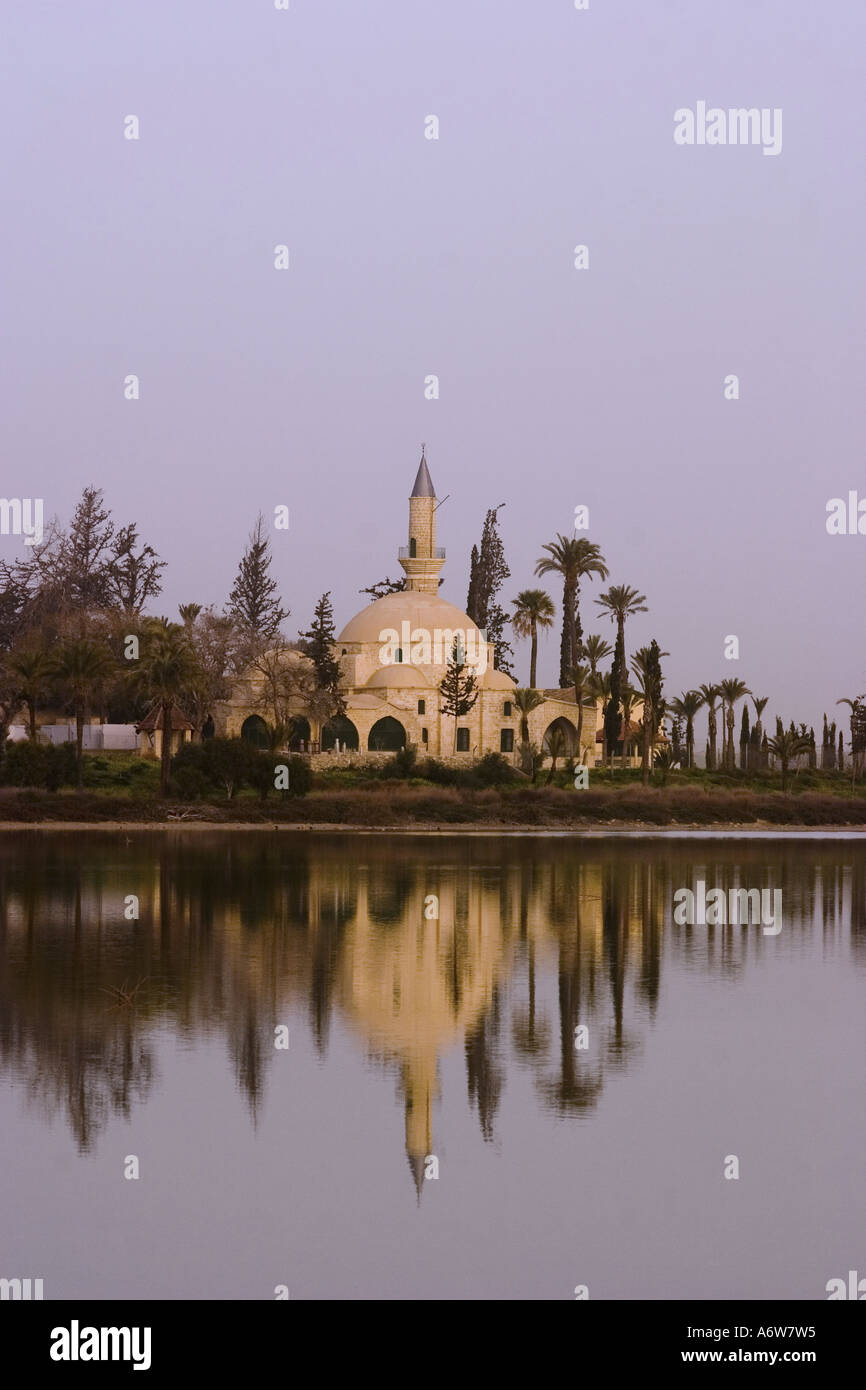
418	945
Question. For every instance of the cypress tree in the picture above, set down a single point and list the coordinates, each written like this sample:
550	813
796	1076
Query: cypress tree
613	709
488	571
744	738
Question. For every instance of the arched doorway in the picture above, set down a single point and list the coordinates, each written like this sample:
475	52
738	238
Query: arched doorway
564	727
386	736
299	732
207	728
340	730
255	731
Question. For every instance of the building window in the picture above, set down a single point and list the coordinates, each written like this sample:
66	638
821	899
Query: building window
506	740
424	736
507	710
413	548
399	657
422	708
462	740
344	651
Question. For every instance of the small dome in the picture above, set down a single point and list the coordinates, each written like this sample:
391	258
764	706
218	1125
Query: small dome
495	680
425	611
396	676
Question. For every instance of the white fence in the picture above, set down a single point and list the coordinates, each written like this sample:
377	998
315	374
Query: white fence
97	737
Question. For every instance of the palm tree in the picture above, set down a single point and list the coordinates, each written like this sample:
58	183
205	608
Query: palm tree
30	669
786	745
188	613
597	650
620	601
526	701
533	608
572	559
686	707
81	667
556	748
581	678
710	694
165	673
760	704
731	690
665	761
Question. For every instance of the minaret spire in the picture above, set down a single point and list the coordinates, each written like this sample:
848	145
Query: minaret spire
420	558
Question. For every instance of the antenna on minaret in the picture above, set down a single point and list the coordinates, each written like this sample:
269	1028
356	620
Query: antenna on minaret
444	500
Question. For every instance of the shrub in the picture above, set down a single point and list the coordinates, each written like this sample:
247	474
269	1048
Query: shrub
39	765
225	765
492	770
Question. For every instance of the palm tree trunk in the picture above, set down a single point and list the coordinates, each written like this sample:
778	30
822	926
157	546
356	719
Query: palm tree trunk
533	655
79	746
579	728
31	710
165	751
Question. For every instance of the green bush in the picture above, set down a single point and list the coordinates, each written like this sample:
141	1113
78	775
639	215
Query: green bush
223	766
39	765
401	766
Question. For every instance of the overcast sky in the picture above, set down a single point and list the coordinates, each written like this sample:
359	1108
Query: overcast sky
409	257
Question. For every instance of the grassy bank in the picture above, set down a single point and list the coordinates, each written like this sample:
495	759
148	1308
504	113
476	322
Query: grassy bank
399	804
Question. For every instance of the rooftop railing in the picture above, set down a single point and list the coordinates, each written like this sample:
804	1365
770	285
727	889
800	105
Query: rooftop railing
405	553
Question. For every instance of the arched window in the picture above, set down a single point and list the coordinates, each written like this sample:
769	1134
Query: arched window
340	730
387	736
255	731
413	548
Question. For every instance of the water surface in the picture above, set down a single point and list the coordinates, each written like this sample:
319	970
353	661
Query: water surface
414	1037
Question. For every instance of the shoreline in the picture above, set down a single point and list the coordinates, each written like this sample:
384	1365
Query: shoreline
643	829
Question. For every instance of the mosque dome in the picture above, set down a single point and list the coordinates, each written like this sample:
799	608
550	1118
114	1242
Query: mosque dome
496	680
398	674
420	610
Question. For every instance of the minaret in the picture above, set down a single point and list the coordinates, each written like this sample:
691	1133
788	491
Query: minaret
420	558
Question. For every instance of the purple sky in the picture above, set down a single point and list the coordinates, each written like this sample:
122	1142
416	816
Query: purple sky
411	256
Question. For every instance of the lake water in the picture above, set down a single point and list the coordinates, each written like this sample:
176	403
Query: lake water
418	1041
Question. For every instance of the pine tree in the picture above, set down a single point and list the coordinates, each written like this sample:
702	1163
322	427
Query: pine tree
318	644
254	602
457	688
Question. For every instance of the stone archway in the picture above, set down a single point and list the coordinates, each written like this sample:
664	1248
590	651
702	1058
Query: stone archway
568	731
386	736
299	732
340	730
255	731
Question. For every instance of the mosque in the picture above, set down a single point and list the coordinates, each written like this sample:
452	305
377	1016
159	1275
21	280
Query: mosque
393	656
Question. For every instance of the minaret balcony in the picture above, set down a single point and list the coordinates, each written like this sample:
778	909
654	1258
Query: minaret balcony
405	553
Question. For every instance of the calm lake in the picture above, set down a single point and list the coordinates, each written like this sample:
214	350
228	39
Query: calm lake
521	1013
